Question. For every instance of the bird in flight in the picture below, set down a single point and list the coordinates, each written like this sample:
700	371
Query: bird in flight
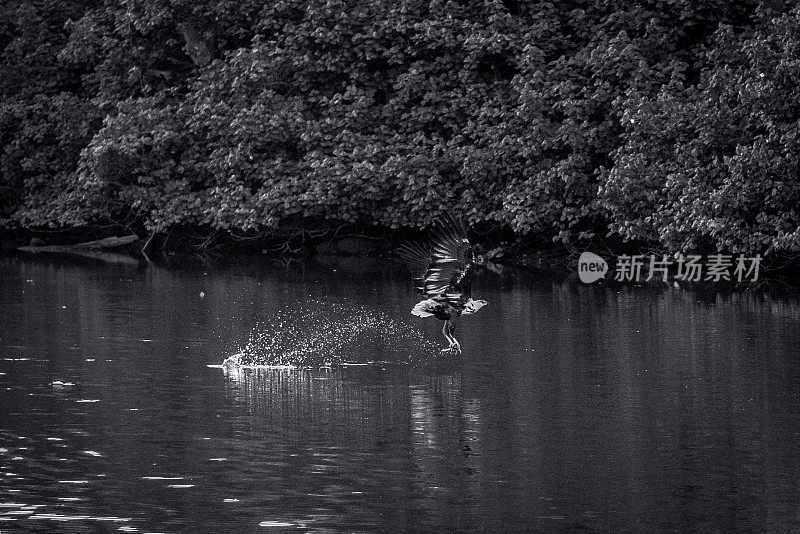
443	270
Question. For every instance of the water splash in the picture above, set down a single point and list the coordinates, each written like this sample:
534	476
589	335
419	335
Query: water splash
319	334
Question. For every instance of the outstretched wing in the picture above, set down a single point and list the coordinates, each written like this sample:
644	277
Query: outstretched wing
418	257
451	258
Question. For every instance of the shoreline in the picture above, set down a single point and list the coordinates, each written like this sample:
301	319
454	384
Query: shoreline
533	256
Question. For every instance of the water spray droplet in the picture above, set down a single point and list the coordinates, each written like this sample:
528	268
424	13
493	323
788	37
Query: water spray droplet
319	334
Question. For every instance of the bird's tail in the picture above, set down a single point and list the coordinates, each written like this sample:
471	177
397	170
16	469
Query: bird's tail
424	308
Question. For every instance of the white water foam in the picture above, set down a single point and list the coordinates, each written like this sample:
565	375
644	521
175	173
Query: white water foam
321	334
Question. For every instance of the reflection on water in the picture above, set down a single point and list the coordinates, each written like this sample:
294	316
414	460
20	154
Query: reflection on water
572	408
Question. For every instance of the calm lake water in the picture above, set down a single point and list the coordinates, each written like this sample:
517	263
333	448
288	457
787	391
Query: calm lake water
571	409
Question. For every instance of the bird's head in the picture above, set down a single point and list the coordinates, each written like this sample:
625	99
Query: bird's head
471	306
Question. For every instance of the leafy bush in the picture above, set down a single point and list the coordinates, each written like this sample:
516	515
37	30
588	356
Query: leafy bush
715	165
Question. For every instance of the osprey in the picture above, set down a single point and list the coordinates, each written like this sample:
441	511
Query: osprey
443	271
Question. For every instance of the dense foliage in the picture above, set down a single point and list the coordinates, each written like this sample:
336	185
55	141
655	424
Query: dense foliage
671	122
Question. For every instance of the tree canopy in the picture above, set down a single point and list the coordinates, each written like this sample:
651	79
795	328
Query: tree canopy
667	122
